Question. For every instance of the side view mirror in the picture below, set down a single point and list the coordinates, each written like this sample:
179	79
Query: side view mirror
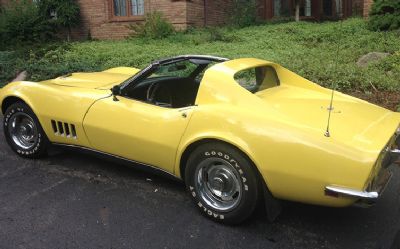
116	90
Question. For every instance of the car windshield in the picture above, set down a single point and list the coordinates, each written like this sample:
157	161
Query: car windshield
258	78
182	69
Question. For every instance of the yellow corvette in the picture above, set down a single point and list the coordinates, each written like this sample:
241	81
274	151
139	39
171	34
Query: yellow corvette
236	131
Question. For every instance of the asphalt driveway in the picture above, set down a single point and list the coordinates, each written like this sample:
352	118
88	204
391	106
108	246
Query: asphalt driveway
73	200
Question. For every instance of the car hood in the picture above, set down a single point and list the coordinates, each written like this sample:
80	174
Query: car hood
97	80
354	122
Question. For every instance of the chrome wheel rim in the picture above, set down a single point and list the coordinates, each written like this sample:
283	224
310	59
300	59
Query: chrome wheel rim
23	131
218	184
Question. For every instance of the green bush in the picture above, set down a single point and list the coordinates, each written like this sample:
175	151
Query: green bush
26	21
244	13
384	15
21	21
155	26
64	14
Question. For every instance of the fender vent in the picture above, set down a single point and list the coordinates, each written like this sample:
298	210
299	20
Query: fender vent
63	129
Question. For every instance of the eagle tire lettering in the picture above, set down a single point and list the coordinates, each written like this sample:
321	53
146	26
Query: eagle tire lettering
39	147
207	211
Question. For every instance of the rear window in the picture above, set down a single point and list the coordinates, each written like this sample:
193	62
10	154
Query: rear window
257	79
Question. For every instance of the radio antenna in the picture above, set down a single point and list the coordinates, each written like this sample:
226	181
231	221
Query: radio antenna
330	108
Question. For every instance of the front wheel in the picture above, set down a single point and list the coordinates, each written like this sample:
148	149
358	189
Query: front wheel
23	131
222	182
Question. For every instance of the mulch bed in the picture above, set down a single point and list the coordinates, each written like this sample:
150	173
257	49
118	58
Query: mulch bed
387	99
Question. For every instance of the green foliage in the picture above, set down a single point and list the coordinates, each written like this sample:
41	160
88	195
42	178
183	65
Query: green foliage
384	15
21	21
25	21
204	35
324	53
66	12
155	26
8	66
243	13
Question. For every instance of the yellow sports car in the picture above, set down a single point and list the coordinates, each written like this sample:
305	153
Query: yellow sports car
235	131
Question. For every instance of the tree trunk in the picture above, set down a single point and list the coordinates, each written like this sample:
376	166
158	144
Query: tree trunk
297	15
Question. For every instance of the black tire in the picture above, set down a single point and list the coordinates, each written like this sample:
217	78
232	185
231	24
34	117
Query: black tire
239	172
35	147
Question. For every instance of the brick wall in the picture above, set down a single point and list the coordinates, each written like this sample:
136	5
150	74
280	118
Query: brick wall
358	7
195	13
367	7
98	22
218	11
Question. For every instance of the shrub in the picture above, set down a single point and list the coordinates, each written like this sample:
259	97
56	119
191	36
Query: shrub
60	13
384	15
155	26
21	21
244	13
8	66
27	21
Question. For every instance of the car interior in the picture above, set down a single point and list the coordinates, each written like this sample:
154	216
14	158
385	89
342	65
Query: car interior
258	79
173	85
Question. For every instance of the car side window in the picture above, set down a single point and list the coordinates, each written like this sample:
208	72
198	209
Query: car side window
258	78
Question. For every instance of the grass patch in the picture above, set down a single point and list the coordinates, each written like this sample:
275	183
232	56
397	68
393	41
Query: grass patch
324	53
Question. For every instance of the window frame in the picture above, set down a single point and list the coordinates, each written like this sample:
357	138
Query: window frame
129	16
278	79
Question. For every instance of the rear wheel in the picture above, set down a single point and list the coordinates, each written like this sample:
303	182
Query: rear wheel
23	131
222	182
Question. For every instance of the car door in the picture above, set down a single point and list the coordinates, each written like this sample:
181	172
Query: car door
136	130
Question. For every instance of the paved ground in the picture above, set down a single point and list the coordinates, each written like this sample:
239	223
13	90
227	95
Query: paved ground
72	200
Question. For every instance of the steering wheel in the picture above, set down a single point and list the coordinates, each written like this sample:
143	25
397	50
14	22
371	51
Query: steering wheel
165	101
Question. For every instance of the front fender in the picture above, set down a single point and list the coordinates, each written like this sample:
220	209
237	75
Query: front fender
15	89
49	102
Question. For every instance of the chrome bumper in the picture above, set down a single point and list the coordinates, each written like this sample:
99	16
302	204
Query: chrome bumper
389	156
367	197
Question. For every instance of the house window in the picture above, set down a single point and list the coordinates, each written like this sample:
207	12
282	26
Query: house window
287	8
120	8
307	8
327	7
126	9
281	8
137	7
339	7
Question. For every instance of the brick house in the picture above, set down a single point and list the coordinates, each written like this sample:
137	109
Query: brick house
109	19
